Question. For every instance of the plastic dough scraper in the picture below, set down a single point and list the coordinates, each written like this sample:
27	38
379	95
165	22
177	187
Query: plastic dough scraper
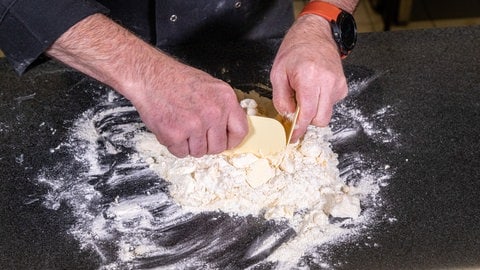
266	136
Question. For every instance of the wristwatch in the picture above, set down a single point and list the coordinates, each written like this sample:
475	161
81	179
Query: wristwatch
343	25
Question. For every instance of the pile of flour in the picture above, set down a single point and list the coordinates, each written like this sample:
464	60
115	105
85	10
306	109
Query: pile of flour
301	185
131	194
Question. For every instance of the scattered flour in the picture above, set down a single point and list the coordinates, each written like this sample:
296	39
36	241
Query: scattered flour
304	188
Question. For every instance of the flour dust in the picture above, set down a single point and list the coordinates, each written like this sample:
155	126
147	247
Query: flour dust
138	207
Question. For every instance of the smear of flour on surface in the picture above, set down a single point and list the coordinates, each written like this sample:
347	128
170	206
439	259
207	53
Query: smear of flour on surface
304	189
124	210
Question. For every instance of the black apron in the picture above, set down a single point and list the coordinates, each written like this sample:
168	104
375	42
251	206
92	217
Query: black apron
172	22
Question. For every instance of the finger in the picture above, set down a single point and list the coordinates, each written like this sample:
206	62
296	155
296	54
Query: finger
237	128
217	140
283	95
301	126
324	112
327	101
197	145
307	99
179	150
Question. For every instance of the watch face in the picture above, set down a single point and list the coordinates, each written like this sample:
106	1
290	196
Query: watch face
346	32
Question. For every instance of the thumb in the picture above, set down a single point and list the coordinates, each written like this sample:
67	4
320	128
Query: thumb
283	95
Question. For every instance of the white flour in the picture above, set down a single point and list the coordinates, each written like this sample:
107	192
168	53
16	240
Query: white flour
306	191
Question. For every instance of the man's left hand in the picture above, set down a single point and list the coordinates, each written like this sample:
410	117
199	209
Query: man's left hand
308	72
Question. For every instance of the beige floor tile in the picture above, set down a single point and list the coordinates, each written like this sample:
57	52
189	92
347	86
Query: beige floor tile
365	14
365	27
413	25
361	14
297	6
375	18
457	22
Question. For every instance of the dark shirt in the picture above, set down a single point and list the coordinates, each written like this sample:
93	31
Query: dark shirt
28	28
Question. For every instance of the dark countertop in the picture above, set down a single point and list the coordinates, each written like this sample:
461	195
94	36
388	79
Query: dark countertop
430	80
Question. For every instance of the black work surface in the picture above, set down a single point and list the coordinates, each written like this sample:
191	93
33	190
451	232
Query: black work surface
430	79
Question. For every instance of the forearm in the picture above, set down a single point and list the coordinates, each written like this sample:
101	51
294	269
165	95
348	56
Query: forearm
100	48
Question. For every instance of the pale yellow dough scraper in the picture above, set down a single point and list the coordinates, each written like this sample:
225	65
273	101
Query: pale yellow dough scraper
266	136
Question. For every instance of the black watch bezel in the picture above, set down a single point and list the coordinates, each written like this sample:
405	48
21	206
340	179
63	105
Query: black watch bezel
344	31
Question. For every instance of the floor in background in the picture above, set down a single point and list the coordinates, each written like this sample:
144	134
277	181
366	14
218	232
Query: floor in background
423	10
425	14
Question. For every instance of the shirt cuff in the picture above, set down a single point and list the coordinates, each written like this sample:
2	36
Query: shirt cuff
28	28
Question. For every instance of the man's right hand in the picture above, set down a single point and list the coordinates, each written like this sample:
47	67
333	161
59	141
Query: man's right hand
189	111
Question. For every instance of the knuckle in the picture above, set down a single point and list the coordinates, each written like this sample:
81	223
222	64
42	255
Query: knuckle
275	75
197	154
198	147
242	128
309	67
308	110
321	121
216	149
243	132
214	112
170	140
177	151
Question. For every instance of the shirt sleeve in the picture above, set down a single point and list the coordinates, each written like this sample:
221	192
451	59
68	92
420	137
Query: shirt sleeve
28	28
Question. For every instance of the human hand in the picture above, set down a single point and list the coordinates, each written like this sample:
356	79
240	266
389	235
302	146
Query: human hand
308	72
189	111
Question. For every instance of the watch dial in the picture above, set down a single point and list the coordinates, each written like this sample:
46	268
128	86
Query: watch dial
348	30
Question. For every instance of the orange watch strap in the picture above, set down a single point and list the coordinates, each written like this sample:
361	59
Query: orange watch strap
324	9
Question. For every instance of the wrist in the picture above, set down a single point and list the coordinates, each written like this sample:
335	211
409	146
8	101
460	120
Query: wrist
313	29
315	24
342	23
